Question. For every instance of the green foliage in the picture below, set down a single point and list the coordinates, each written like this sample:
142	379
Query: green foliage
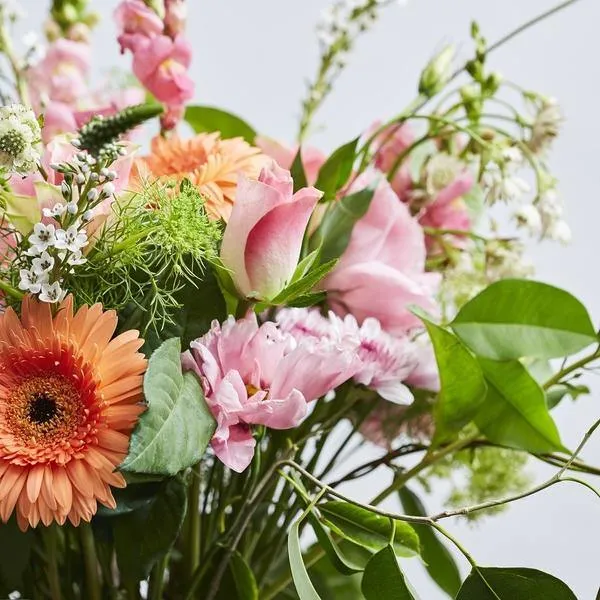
333	234
515	412
302	582
174	431
15	552
301	288
514	318
367	529
460	397
494	583
297	172
336	170
383	579
156	243
209	119
438	560
144	535
478	475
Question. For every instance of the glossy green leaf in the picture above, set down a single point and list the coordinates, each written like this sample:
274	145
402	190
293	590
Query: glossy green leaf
243	577
514	318
333	234
438	560
143	536
302	582
305	265
210	119
303	286
15	552
504	583
174	431
367	529
383	579
515	412
133	497
463	387
337	169
297	172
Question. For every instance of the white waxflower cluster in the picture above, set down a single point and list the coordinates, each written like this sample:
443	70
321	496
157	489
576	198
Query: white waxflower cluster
545	126
20	138
501	180
545	218
56	244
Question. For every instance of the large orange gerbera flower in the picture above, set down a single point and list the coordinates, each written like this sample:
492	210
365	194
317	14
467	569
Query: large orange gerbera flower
69	398
210	163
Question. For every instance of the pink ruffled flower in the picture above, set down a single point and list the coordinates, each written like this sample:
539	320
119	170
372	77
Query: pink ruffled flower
175	17
136	21
161	64
382	271
263	238
255	375
312	158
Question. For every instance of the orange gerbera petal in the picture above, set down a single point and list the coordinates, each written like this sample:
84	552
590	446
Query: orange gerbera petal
69	399
209	162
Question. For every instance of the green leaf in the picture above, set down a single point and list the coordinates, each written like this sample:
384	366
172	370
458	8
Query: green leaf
333	585
542	371
336	170
463	387
333	234
335	555
307	300
439	561
176	428
210	119
15	552
131	498
367	529
383	579
418	157
143	536
514	318
515	412
305	285
504	583
243	577
304	586
305	265
297	171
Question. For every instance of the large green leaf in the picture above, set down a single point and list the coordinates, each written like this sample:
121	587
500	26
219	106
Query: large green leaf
463	387
333	234
336	170
383	579
515	412
439	561
143	536
302	287
15	552
304	587
368	529
176	428
333	585
504	583
209	119
514	318
134	497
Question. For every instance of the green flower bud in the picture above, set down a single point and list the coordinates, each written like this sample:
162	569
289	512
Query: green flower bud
437	73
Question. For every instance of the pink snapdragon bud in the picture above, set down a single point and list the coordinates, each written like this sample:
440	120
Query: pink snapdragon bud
136	21
175	17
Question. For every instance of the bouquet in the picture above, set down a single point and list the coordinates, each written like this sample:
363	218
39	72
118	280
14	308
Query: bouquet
198	337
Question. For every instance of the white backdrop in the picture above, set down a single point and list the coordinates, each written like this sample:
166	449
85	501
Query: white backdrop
253	56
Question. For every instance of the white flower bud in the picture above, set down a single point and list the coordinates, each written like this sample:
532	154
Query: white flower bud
109	189
80	178
92	195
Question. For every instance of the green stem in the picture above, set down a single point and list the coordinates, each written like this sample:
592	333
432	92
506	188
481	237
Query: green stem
572	367
88	544
49	535
157	578
193	532
11	291
7	49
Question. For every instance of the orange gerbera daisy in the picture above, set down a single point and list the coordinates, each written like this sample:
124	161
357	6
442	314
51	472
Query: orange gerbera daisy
209	162
69	398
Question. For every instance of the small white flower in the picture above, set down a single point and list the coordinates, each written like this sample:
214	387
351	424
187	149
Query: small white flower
43	237
92	195
80	178
528	216
30	282
76	258
88	215
42	264
72	208
52	293
72	239
20	138
58	210
109	189
560	232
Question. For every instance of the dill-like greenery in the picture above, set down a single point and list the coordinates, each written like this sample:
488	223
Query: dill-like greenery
153	244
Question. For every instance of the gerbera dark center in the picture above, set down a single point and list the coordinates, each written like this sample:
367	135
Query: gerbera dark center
42	408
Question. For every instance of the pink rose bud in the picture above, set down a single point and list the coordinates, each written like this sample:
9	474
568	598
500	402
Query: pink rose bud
263	238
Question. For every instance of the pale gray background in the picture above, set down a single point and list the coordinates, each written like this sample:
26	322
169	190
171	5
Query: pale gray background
252	57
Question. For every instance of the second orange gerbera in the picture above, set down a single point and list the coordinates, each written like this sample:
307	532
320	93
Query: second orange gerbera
69	399
209	162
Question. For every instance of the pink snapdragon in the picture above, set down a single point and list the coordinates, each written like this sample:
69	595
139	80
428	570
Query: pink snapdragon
260	375
136	21
263	238
382	271
175	17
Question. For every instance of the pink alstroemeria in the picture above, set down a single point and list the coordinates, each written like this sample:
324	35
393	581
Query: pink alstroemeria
255	375
382	271
135	21
161	64
263	238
